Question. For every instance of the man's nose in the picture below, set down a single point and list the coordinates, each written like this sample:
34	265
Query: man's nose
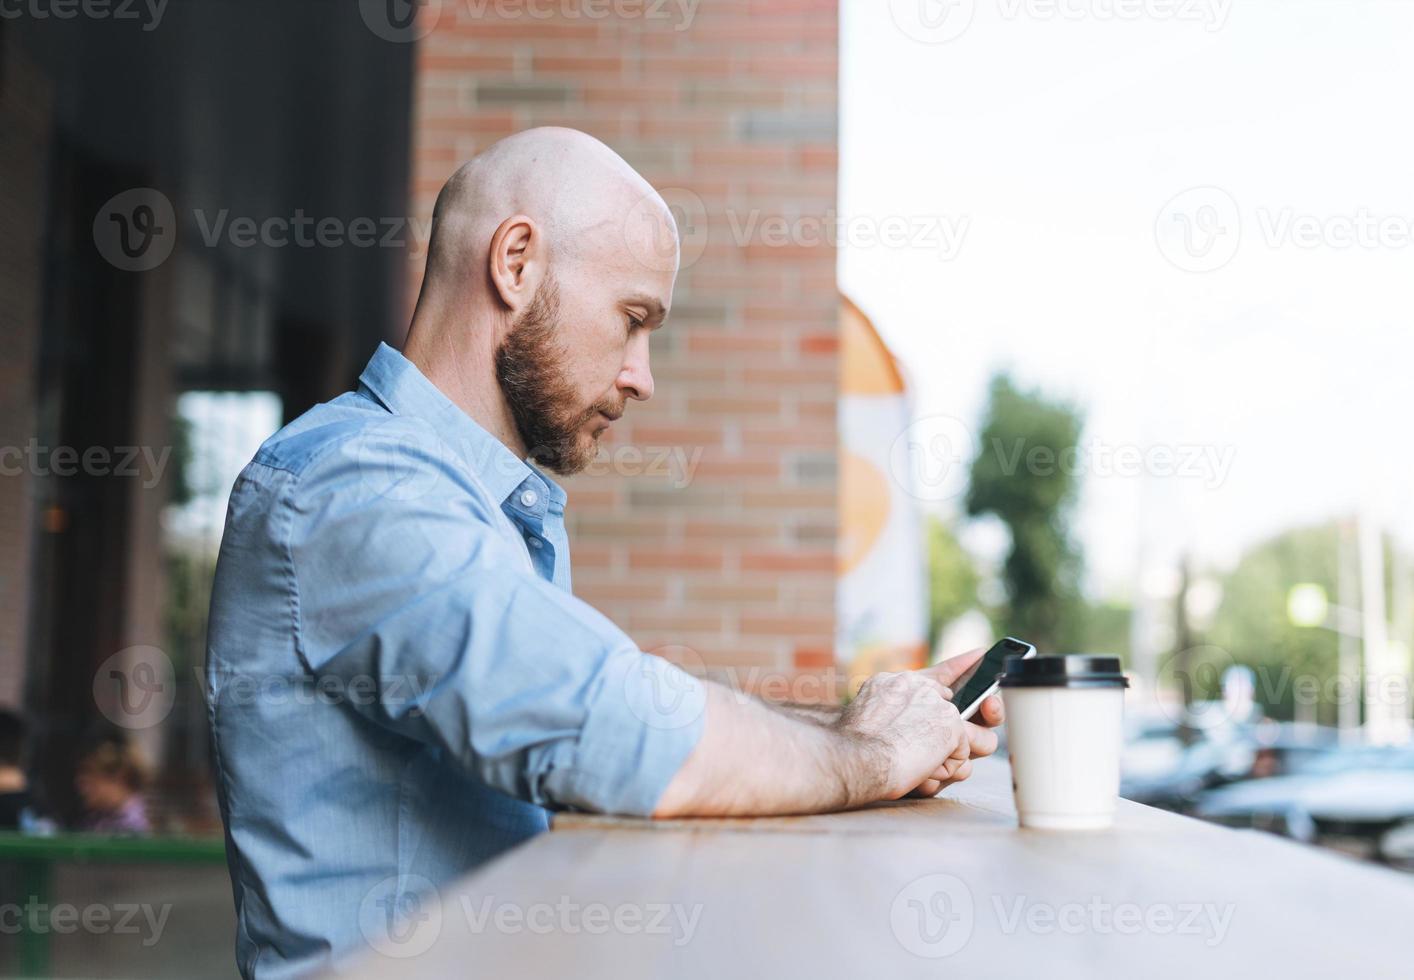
636	378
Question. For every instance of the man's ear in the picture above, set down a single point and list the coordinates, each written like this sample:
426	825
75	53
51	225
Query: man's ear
517	260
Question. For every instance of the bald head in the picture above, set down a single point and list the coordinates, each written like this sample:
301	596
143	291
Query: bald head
585	198
550	262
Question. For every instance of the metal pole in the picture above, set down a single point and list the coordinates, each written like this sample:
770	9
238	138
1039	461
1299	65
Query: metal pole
1348	667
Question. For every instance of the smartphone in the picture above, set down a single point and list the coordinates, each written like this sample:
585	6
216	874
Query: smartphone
982	681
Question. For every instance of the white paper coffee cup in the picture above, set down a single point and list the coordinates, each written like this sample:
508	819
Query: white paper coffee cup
1065	727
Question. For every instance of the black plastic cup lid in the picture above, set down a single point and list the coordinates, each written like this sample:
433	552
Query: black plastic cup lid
1081	670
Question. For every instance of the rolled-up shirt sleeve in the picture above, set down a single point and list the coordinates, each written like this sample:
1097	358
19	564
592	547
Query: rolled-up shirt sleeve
406	583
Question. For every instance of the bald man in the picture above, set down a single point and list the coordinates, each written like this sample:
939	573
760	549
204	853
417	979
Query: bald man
401	683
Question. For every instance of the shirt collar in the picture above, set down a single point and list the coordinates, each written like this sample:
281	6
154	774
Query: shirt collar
404	390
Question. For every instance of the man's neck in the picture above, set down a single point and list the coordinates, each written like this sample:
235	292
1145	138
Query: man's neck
12	779
461	362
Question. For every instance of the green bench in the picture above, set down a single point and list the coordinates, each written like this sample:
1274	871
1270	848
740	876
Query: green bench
36	857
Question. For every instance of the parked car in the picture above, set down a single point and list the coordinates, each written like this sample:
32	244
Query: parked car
1361	792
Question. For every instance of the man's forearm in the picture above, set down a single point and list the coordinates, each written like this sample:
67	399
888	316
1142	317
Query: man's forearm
754	759
822	714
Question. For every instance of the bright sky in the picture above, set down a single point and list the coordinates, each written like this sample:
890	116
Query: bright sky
1057	145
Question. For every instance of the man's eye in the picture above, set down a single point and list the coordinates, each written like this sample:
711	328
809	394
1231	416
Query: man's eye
634	323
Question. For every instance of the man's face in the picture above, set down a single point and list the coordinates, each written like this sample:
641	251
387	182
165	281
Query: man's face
578	353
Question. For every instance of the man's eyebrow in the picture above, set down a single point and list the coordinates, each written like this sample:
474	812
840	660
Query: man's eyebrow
655	309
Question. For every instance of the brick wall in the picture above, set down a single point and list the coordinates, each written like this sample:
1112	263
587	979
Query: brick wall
24	121
732	113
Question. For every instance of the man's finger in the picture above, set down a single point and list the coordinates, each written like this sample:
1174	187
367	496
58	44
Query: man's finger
948	672
980	741
991	714
963	771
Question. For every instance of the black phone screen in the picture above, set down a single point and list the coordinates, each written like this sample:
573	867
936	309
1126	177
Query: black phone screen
988	669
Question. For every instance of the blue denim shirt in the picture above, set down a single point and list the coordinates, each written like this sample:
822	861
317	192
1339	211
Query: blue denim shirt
399	680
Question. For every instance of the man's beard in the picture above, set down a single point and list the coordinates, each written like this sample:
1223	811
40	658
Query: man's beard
530	369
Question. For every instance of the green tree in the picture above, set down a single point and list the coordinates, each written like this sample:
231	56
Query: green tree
1106	628
1252	626
1025	474
952	578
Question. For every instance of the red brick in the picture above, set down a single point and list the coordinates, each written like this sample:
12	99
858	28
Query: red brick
748	378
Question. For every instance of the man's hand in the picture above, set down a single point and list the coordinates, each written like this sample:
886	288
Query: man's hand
900	735
911	717
981	740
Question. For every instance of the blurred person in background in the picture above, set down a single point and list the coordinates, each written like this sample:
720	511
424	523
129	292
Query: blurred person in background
17	808
110	778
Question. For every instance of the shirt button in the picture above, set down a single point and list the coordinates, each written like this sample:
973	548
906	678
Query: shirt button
535	542
528	498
